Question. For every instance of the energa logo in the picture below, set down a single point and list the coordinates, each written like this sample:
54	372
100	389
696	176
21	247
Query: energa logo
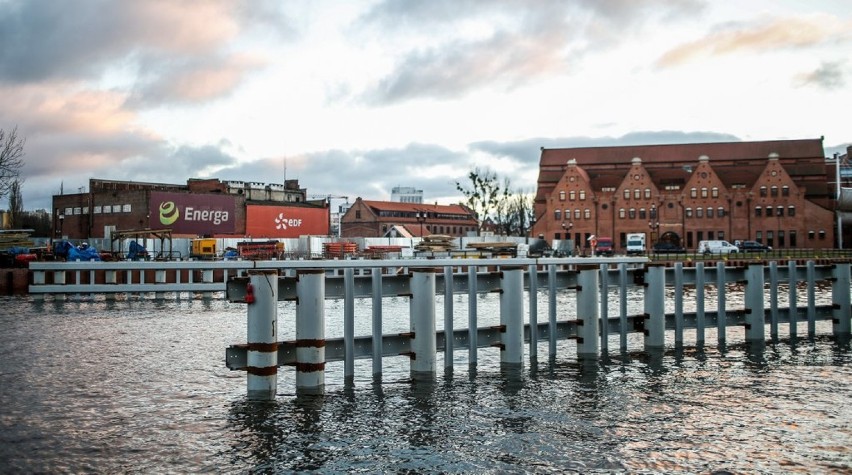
169	213
283	222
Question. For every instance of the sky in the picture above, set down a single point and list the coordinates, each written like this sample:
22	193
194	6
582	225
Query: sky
353	98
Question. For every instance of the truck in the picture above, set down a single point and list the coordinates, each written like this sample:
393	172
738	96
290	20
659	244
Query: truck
603	246
635	243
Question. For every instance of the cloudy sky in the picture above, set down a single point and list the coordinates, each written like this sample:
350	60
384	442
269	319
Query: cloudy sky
353	98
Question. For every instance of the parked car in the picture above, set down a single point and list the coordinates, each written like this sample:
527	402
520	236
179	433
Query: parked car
665	247
753	246
604	246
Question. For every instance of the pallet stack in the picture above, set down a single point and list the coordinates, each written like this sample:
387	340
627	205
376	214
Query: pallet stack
435	243
15	238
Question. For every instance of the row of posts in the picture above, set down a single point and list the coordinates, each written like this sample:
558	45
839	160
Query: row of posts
262	298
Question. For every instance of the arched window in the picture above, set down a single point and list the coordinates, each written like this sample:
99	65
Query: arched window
626	194
557	215
699	212
561	196
647	193
637	193
704	192
577	213
587	213
762	191
758	211
572	195
582	195
785	190
769	211
621	213
709	212
693	192
688	212
641	213
779	211
714	192
791	211
773	191
632	213
720	212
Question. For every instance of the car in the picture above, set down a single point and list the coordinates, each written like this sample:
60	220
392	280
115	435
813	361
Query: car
665	247
753	246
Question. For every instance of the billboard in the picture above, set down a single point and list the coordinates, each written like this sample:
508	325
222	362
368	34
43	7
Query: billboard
285	221
199	214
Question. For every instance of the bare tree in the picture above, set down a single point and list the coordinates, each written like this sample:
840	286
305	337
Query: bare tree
16	204
484	194
11	160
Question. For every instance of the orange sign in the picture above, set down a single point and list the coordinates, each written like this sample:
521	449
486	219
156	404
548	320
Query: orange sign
285	221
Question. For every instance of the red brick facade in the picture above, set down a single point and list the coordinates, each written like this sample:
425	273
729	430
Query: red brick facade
775	192
376	218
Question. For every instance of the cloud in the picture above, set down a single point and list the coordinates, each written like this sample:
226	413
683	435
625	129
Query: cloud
765	36
173	45
505	44
829	76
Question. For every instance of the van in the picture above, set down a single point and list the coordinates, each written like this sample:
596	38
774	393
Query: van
716	247
603	246
635	243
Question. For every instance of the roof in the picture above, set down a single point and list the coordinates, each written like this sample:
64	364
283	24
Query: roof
414	207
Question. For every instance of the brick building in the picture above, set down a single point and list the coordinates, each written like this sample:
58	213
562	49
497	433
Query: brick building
388	218
776	192
201	207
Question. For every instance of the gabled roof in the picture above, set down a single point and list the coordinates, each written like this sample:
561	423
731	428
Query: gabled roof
414	207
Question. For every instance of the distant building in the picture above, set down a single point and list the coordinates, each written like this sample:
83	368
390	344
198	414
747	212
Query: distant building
201	207
406	194
777	192
388	218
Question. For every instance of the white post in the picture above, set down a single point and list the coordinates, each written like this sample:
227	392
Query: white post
422	324
262	357
59	279
655	307
38	279
310	331
754	319
587	311
512	315
842	321
110	278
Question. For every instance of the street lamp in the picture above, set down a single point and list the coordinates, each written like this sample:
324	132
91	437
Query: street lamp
421	218
653	226
61	222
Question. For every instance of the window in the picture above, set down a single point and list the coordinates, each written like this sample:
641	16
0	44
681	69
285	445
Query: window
125	208
632	213
653	212
357	214
709	212
647	193
699	212
637	193
780	238
626	194
704	192
758	236
780	211
96	210
621	213
811	234
688	212
757	211
557	215
770	239
791	211
572	195
722	235
822	234
693	192
561	196
582	195
577	213
768	211
785	190
641	213
762	191
773	191
714	192
792	238
587	213
720	212
85	210
107	209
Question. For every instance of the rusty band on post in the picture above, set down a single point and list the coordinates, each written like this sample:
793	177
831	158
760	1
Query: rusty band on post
263	347
581	267
309	343
262	371
433	270
655	264
310	367
505	268
301	272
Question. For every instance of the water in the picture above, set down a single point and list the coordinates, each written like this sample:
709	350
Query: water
140	386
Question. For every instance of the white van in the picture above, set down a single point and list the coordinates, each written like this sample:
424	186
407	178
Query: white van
635	243
716	247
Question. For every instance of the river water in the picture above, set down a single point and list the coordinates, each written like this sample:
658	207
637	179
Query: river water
140	386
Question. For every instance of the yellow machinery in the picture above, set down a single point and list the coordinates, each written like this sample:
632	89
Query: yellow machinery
204	248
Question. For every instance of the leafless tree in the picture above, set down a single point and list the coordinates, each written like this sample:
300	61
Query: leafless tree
11	160
484	195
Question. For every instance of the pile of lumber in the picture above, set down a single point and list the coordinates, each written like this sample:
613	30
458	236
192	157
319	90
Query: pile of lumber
10	238
435	243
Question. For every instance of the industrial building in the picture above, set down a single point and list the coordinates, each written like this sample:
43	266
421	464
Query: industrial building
367	218
201	207
780	193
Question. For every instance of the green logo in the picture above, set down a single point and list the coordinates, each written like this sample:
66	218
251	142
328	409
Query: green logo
169	213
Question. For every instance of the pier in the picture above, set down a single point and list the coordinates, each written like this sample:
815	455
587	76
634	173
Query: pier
518	282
